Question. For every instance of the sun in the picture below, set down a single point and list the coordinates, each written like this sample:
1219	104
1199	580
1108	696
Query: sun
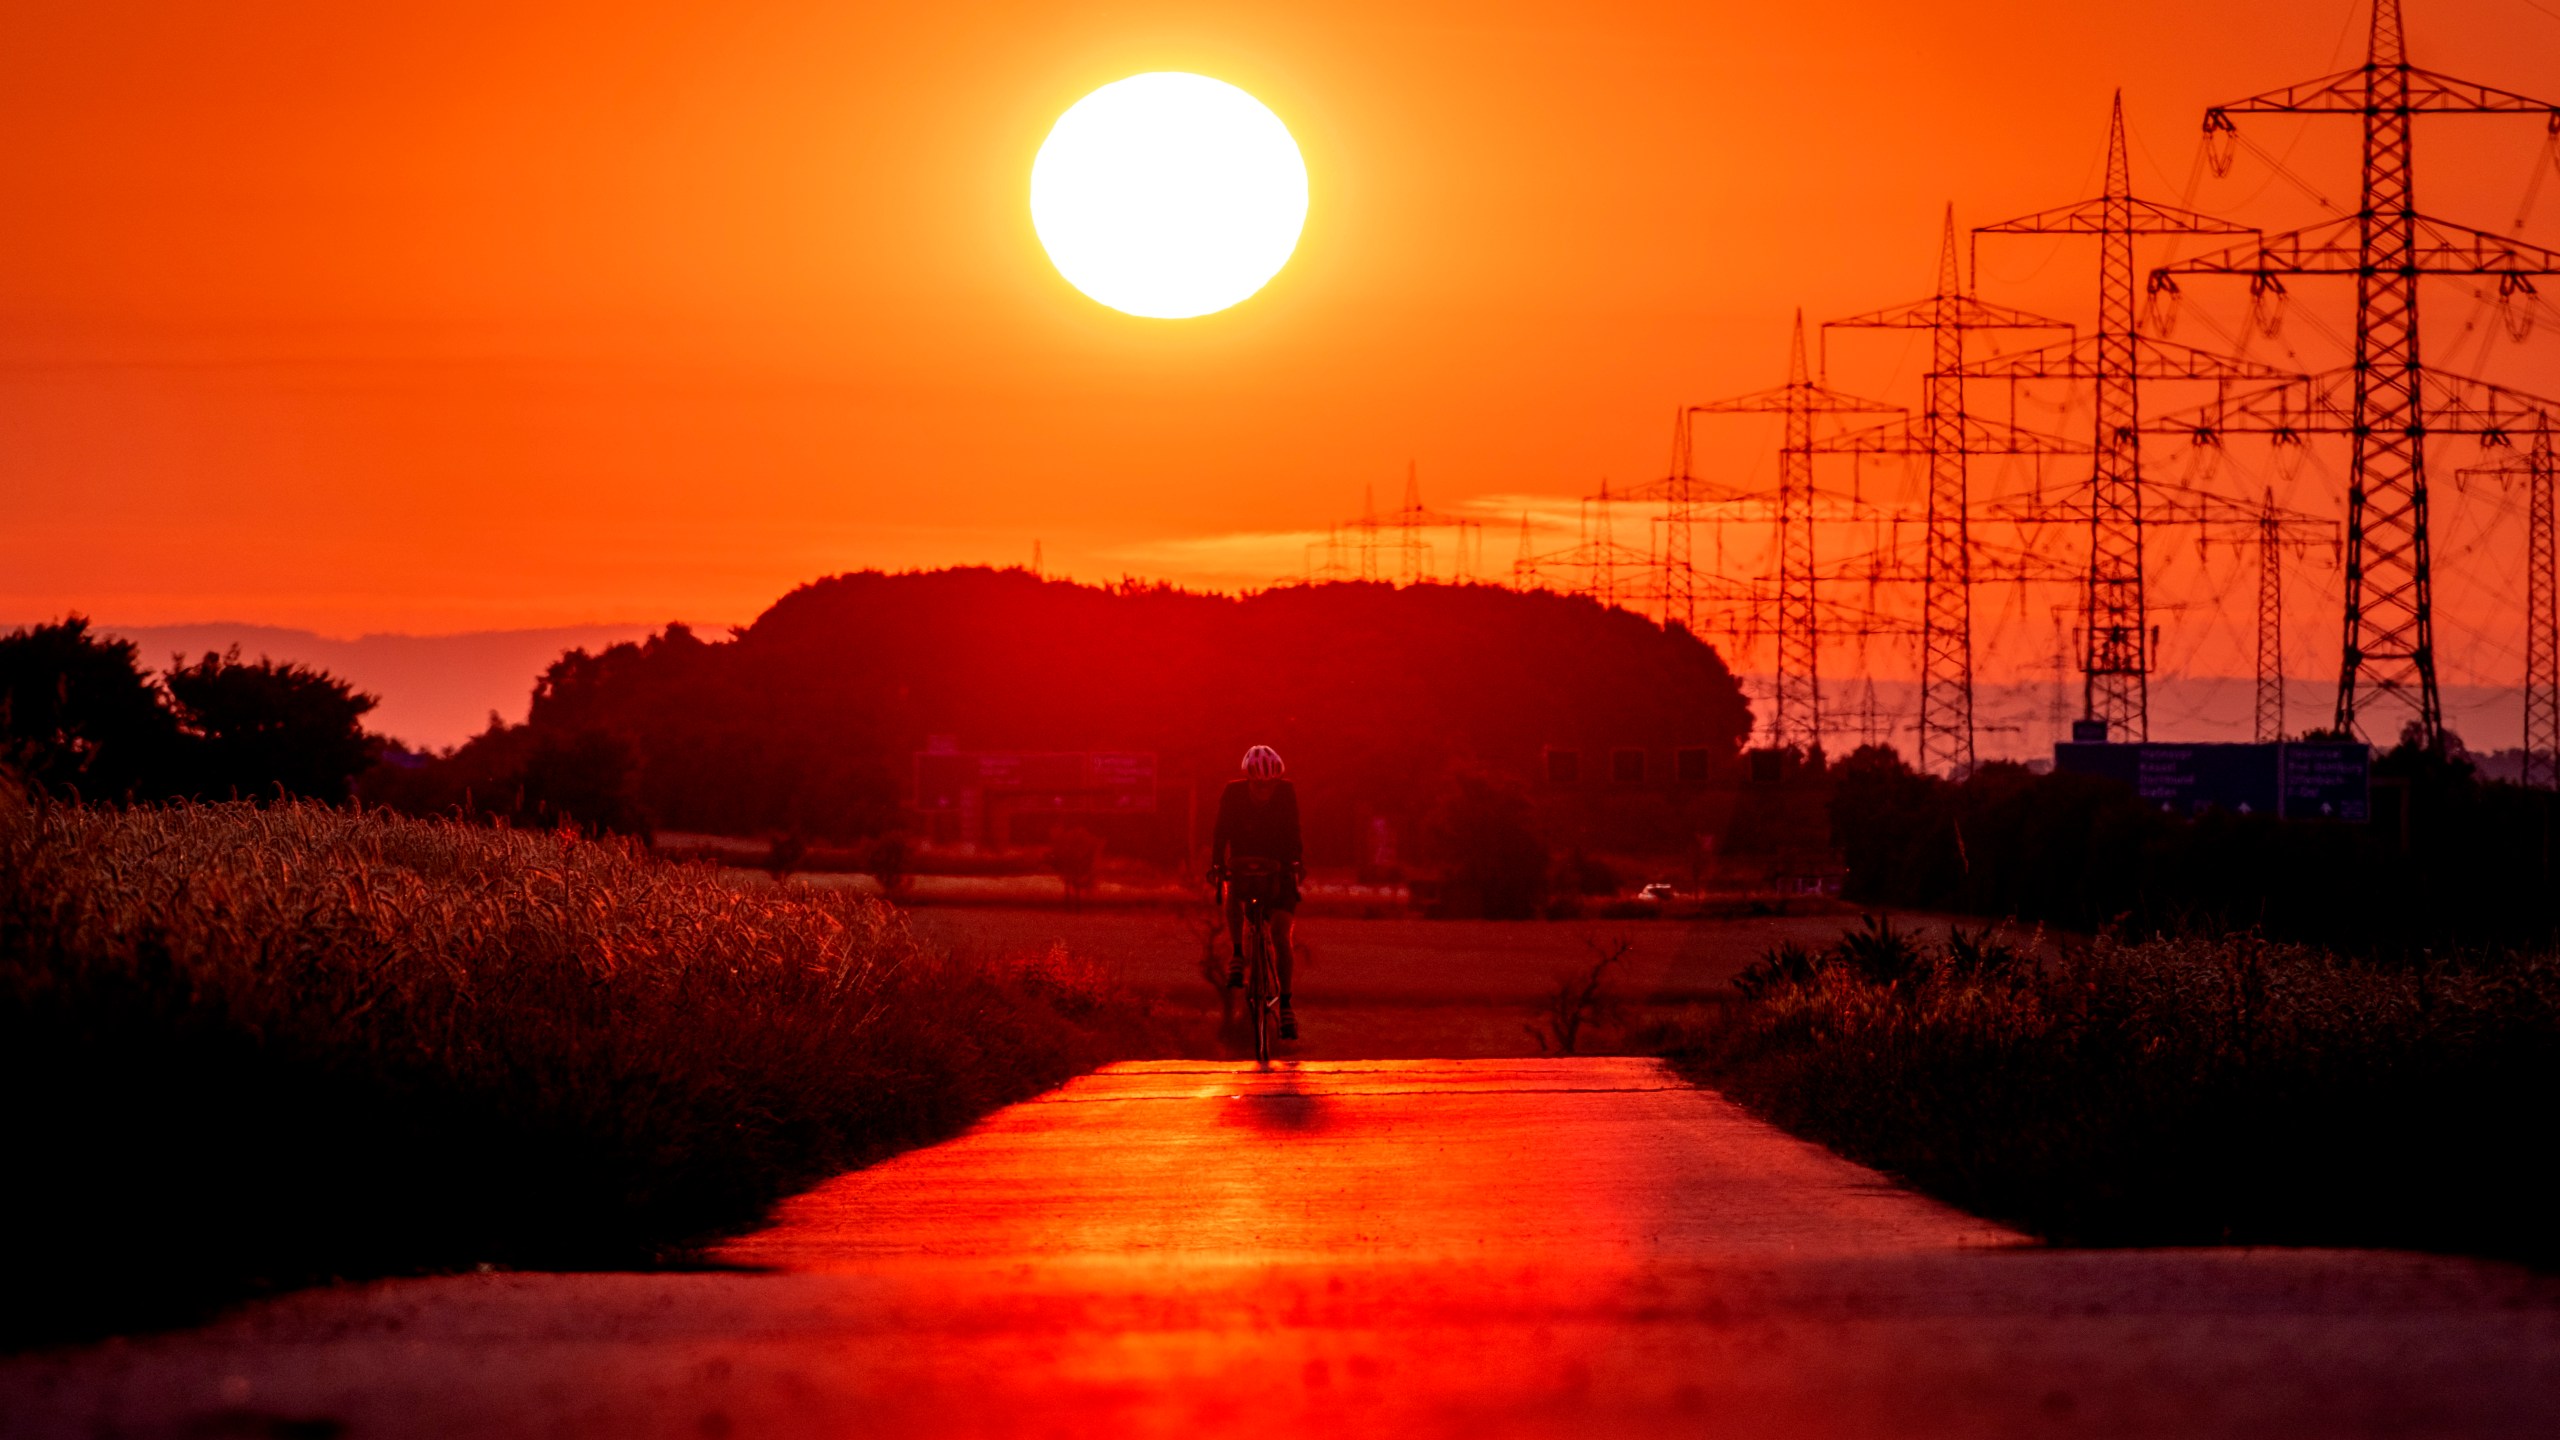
1169	195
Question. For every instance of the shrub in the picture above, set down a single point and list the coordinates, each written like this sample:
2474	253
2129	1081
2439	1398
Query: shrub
1075	857
1877	953
2171	1092
1581	1001
784	854
1582	873
1980	954
1781	966
889	858
1484	831
248	1048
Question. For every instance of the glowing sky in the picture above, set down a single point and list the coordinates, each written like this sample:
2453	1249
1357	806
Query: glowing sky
490	315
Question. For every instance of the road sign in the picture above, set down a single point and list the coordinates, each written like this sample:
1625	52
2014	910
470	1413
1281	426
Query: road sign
2328	781
2324	781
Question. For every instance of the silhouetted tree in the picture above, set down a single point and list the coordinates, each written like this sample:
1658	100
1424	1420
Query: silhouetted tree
79	717
586	780
583	778
887	858
481	779
1484	832
1075	856
255	731
2455	862
785	853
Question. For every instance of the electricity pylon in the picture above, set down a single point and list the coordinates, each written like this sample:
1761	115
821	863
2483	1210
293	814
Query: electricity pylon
1524	566
1686	501
2115	359
1412	519
2542	625
2541	608
1413	553
2269	724
1796	712
1333	567
1675	571
1945	437
1366	527
2396	402
1598	555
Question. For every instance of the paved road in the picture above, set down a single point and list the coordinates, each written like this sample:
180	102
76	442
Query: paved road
1478	1249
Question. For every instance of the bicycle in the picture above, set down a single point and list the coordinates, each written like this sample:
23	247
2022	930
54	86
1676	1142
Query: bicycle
1262	979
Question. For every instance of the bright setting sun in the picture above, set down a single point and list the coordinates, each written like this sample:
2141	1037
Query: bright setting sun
1169	195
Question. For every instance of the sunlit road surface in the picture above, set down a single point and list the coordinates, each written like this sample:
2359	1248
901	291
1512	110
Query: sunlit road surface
1433	1248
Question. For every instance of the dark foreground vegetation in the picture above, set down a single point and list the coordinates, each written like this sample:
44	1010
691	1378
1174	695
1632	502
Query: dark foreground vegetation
249	1048
2450	861
2171	1092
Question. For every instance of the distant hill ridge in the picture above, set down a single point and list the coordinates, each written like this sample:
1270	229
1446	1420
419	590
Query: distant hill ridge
436	690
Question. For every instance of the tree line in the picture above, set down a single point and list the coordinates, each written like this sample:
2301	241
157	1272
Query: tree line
81	717
2450	862
805	722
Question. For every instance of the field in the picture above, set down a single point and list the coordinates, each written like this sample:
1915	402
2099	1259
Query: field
1397	989
253	1048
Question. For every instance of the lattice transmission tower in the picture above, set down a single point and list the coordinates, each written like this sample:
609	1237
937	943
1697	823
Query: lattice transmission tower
1796	709
1678	492
2534	468
2116	626
1945	437
2542	624
1365	529
1525	571
2386	399
1413	521
2269	710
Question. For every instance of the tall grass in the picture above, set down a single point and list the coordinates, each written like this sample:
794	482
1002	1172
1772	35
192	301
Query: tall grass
245	1048
2181	1091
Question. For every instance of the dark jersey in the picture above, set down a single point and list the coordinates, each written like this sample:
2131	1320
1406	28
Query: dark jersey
1268	831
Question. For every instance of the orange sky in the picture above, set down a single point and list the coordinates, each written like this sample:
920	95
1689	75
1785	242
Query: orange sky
507	314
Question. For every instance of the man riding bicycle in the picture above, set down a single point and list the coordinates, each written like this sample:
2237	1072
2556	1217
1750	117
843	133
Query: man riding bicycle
1258	821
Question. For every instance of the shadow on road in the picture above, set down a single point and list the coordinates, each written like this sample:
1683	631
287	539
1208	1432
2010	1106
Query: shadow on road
1281	1103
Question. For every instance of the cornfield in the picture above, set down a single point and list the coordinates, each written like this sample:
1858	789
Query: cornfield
253	1047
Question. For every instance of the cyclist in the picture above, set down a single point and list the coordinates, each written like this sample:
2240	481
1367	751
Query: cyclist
1258	819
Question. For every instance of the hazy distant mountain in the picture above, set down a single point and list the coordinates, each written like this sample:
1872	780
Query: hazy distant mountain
436	690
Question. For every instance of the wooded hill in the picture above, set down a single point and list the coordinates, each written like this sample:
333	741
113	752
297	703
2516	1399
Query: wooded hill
807	719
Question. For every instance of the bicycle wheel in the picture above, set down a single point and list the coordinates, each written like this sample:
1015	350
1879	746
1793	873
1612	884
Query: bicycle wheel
1259	998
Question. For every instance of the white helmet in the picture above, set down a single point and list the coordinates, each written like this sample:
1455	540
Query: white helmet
1263	763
